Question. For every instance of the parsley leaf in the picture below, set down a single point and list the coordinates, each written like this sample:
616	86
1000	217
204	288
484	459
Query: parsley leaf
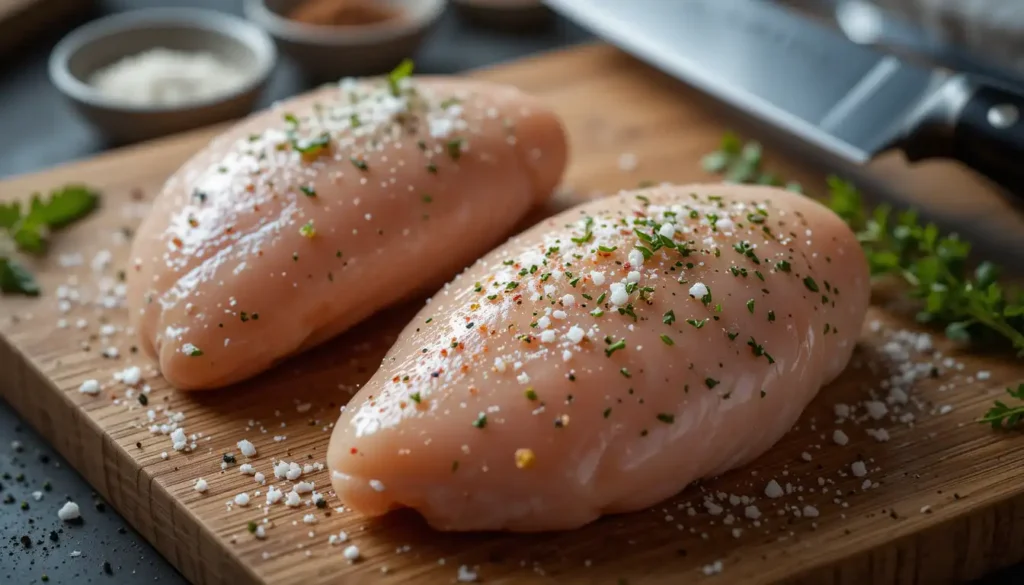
14	278
403	70
971	305
1002	416
29	229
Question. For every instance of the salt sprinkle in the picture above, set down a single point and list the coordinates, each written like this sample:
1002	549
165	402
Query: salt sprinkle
247	448
69	511
201	485
352	553
91	387
466	575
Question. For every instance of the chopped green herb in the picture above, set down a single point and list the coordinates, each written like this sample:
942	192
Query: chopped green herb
530	394
620	344
666	418
667	340
810	284
308	190
669	318
400	72
710	382
480	421
750	306
696	323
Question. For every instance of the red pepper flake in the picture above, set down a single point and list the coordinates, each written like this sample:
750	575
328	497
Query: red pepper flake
353	450
176	241
444	353
464	369
395	379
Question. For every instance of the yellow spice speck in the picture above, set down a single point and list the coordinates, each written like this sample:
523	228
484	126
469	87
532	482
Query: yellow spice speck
525	458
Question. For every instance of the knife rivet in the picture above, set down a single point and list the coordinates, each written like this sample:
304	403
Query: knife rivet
1003	116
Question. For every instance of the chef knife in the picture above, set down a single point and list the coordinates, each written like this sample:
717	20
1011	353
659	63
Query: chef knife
812	82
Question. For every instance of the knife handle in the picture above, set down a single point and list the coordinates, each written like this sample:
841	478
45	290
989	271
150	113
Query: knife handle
978	124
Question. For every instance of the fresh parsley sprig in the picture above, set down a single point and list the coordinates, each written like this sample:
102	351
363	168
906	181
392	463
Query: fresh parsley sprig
28	230
1001	416
741	162
972	305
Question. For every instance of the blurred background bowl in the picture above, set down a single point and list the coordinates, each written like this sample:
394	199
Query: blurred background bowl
330	52
107	40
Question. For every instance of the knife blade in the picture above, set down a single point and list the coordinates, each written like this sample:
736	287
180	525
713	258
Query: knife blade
812	82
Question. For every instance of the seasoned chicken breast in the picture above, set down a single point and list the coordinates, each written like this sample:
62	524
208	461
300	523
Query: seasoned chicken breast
605	358
303	220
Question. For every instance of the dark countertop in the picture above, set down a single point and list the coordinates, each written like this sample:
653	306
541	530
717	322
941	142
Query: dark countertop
41	132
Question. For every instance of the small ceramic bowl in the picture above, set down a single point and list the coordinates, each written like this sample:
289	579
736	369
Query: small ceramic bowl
105	41
508	15
329	53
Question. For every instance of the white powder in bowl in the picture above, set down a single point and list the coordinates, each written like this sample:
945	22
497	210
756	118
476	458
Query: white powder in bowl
166	78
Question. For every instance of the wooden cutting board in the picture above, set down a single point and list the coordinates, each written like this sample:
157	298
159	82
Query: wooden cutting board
944	499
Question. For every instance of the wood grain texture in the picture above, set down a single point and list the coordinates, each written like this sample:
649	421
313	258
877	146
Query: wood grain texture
967	476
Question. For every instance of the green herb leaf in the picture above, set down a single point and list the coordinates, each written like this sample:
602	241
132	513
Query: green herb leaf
15	279
400	72
1003	416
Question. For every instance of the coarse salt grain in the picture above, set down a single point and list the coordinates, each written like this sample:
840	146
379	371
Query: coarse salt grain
247	448
69	511
292	500
840	438
247	469
773	490
351	553
274	495
876	409
309	519
242	499
466	575
130	376
575	334
201	486
859	469
698	290
91	387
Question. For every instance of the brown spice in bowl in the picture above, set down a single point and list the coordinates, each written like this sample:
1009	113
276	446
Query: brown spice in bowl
341	12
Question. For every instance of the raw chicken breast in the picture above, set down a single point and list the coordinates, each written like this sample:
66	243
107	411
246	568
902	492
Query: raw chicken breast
604	359
303	220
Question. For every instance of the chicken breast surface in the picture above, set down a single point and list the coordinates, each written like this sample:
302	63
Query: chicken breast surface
605	358
305	219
